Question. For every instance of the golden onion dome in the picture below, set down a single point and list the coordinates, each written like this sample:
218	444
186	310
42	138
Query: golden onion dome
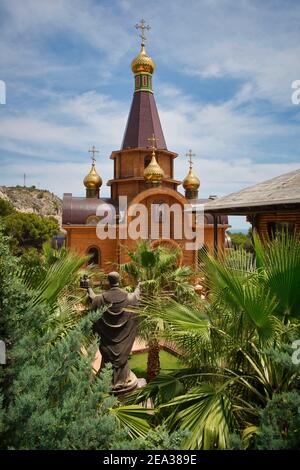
153	172
92	180
143	62
191	181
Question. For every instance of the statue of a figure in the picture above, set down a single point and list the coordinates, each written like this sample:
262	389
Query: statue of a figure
117	329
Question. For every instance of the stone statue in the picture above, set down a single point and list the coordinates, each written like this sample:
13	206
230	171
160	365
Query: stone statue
117	329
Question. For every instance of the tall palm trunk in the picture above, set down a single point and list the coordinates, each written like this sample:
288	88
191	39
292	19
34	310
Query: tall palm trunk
153	363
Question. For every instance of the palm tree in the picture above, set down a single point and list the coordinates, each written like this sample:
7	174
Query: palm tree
44	327
234	345
161	277
52	277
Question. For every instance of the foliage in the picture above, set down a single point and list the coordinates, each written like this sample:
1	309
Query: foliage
168	361
280	423
51	400
279	263
161	277
159	271
161	439
51	396
198	411
28	230
6	208
241	240
235	344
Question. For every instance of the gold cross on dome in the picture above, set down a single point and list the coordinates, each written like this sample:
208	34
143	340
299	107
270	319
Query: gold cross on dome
93	150
142	26
153	140
190	154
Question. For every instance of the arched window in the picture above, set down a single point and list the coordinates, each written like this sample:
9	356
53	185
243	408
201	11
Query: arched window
95	258
147	160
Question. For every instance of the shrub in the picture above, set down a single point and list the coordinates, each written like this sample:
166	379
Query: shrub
280	423
29	230
6	208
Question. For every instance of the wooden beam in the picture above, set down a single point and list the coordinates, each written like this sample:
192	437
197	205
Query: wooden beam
215	234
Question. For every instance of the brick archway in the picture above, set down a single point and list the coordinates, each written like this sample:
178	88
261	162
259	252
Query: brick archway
159	192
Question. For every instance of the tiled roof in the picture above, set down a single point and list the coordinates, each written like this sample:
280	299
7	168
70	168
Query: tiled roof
282	190
143	121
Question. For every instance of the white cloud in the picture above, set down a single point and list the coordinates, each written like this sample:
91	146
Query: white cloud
216	133
222	131
250	42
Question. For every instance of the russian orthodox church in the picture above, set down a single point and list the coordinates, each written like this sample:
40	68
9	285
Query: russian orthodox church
143	171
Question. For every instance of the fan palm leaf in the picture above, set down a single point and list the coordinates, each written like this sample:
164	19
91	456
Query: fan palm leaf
246	293
134	418
58	276
207	413
279	260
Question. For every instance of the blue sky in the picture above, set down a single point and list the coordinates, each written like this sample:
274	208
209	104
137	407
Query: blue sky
223	79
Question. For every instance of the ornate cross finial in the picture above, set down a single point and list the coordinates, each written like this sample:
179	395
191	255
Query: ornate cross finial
93	150
142	26
190	154
153	140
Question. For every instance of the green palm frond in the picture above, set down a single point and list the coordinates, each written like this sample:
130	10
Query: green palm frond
59	275
131	269
245	293
160	390
268	373
134	418
225	340
279	260
207	413
183	319
54	281
239	260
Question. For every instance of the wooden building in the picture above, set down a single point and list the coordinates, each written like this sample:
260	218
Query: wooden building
270	206
143	172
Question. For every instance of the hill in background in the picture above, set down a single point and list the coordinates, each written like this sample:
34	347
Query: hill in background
31	199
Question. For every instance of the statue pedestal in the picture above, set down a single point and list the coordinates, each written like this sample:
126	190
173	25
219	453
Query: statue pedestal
129	386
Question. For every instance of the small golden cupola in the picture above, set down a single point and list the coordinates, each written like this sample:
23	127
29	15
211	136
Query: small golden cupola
143	66
153	173
191	182
92	181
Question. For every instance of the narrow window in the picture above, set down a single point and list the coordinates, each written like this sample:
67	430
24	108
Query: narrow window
147	160
281	226
94	254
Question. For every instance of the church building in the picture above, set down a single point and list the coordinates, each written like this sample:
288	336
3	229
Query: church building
143	172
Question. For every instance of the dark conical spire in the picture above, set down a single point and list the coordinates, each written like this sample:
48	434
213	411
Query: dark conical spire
143	119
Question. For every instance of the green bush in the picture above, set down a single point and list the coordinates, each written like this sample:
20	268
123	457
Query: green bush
280	423
50	399
241	240
29	230
49	396
6	208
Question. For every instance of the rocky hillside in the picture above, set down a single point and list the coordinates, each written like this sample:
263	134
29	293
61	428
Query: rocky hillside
39	201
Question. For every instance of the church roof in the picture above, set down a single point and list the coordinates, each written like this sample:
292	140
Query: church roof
282	192
143	122
76	210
